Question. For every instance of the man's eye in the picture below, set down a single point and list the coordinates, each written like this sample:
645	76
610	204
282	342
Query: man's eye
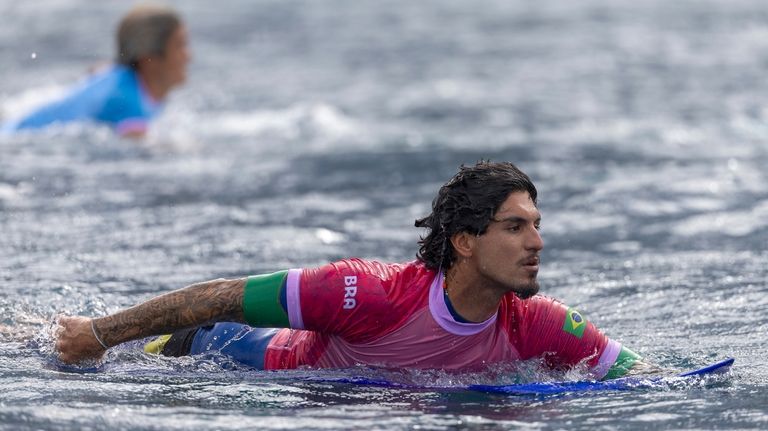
514	228
537	226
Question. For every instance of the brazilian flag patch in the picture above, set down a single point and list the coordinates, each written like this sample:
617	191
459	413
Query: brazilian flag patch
574	323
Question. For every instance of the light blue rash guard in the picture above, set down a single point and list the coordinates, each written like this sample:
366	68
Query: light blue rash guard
115	96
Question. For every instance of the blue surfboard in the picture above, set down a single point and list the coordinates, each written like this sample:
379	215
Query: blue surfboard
620	384
545	388
534	388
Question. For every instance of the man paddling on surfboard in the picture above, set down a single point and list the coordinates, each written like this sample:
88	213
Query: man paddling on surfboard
469	300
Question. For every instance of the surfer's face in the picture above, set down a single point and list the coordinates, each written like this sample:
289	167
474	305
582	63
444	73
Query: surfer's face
507	254
174	62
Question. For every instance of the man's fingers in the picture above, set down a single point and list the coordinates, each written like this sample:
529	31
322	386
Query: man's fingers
63	338
60	344
64	320
61	347
62	325
58	330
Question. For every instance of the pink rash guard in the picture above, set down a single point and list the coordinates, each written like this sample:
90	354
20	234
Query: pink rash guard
395	315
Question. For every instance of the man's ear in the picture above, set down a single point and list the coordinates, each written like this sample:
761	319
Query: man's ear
463	243
148	63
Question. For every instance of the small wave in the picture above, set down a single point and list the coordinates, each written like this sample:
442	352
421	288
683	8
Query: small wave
312	124
730	223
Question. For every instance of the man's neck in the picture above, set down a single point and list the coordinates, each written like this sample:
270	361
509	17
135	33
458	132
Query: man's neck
153	83
470	294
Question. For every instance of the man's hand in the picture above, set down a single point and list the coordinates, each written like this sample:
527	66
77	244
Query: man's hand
75	340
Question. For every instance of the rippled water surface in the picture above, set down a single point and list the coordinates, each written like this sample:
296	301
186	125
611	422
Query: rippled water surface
311	131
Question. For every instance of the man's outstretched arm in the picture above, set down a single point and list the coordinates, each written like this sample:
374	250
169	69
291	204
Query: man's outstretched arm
199	304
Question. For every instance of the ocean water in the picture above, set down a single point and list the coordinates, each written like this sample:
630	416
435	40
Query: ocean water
311	131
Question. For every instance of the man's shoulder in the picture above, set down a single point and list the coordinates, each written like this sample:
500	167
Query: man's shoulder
113	73
105	86
122	96
383	270
375	277
107	78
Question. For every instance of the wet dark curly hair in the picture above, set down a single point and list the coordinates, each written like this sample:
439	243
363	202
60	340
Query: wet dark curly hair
467	203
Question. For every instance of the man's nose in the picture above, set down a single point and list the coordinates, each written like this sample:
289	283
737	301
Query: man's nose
534	240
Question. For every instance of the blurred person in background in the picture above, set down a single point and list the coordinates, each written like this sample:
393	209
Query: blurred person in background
152	58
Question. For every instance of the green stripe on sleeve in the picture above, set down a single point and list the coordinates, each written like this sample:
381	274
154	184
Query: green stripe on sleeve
623	364
261	301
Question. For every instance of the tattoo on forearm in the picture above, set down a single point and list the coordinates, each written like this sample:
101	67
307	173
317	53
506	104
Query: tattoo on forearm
195	305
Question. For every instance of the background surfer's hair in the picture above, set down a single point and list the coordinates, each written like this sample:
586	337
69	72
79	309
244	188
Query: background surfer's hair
467	203
144	32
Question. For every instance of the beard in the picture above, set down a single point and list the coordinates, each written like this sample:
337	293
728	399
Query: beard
527	290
